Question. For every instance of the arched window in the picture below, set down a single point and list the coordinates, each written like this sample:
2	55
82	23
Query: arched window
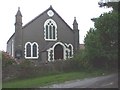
50	30
12	47
71	50
35	49
31	50
28	50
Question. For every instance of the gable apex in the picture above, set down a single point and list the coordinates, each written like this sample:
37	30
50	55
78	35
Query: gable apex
50	6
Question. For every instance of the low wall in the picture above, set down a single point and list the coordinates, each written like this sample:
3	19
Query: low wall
28	69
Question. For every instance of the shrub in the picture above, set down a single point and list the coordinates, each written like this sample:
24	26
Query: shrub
29	69
26	63
7	59
81	59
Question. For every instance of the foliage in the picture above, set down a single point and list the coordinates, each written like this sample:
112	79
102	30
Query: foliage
25	63
80	59
29	69
7	59
114	5
101	42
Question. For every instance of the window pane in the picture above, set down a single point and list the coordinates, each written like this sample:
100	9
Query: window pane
34	50
50	32
28	50
53	32
70	51
46	31
50	29
66	54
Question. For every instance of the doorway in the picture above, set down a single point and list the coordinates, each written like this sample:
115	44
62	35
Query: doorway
58	52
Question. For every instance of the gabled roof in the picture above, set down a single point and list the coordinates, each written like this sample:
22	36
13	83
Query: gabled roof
50	45
10	38
50	8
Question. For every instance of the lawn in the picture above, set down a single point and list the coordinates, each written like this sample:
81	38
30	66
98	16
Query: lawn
51	79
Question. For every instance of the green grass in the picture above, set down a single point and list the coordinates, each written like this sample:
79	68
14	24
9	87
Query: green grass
51	79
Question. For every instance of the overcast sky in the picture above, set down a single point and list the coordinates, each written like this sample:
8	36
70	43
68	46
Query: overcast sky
83	10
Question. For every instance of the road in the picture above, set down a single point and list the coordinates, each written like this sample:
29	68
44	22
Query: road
109	81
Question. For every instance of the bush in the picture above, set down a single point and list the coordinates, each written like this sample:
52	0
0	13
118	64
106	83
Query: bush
81	60
29	69
84	61
25	63
7	59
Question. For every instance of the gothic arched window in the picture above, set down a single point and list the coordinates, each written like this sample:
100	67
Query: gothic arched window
31	50
71	50
50	30
28	50
35	50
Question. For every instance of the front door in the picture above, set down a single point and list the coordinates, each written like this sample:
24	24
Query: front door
58	52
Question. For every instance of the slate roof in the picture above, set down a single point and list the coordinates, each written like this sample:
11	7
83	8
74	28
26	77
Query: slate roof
48	46
10	38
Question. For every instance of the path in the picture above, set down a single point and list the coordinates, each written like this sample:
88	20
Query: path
109	81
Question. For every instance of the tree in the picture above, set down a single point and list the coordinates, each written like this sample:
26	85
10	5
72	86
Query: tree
101	42
114	4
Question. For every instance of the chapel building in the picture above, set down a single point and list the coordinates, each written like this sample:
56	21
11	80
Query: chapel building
45	38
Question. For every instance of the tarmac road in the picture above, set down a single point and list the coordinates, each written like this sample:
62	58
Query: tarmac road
109	81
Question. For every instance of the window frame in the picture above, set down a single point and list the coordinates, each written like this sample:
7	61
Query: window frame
70	47
28	54
48	36
32	44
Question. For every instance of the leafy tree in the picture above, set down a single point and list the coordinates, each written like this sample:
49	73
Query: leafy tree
114	5
101	42
107	27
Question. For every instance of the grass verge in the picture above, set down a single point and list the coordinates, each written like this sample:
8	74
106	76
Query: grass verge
51	79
